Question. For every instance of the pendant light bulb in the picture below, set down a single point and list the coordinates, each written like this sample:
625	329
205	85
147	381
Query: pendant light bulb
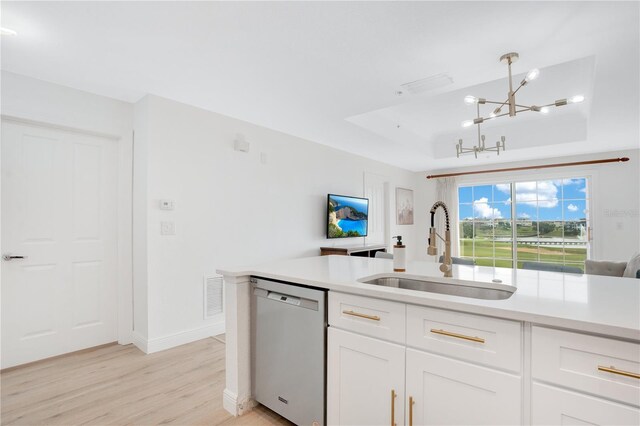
532	75
576	99
467	123
8	32
470	100
544	110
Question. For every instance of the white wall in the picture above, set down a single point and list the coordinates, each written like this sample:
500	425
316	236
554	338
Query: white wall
38	100
139	228
615	206
230	208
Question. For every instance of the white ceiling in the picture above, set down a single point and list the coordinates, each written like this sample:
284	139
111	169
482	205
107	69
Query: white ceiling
328	71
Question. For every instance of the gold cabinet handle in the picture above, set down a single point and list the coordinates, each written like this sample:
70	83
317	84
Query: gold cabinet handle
456	335
393	407
614	370
359	315
411	402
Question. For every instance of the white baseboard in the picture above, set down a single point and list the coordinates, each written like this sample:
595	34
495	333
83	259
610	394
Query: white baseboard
183	337
125	337
139	341
230	402
232	405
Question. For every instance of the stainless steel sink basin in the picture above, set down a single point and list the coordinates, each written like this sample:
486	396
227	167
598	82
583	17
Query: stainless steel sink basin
454	289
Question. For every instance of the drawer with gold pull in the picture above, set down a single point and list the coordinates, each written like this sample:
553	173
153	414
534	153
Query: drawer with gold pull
482	340
369	316
606	367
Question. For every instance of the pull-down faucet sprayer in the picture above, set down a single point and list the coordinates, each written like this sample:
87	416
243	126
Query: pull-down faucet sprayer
432	250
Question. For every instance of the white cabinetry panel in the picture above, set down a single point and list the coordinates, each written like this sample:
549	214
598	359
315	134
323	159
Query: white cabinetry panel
501	346
372	317
572	360
361	374
554	406
450	392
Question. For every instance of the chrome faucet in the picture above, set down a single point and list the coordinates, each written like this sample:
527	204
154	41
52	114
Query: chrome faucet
432	250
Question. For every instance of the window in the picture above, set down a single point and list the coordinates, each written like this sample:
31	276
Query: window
548	222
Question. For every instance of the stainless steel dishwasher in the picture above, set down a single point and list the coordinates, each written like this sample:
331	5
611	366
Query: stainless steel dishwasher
288	340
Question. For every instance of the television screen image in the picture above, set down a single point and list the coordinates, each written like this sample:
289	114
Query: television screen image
348	216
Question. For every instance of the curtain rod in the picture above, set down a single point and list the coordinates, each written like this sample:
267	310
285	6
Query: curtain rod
544	166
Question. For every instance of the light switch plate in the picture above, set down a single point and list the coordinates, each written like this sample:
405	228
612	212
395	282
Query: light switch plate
167	228
166	205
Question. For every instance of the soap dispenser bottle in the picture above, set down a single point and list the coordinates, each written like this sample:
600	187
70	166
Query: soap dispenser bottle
399	255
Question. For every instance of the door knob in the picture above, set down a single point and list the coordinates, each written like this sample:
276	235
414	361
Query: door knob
13	257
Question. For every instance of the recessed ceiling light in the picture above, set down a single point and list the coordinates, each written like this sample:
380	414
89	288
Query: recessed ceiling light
7	32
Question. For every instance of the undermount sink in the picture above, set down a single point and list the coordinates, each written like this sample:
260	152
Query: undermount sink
454	289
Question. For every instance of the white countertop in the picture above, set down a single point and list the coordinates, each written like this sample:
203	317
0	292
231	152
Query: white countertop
591	303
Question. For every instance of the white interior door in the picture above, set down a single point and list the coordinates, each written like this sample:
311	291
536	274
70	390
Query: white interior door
59	210
376	189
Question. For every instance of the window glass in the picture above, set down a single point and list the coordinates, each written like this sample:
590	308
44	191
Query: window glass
465	194
574	189
502	192
482	194
548	222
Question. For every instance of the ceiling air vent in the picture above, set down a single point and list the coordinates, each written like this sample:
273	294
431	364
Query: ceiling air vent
427	84
213	296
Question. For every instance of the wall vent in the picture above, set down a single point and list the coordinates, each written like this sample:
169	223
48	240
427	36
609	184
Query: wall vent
213	297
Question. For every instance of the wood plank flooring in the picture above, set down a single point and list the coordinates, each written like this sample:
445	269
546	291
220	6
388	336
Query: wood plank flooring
120	385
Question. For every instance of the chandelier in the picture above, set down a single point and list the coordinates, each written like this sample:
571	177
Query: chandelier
510	103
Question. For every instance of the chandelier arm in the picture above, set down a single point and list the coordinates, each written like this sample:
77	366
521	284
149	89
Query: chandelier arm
505	113
492	118
497	116
519	87
496	103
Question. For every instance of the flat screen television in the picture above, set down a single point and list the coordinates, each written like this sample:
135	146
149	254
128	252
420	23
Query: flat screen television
347	216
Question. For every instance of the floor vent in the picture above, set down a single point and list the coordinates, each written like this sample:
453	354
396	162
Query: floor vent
212	296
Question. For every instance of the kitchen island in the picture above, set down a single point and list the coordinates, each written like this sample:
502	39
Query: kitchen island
562	345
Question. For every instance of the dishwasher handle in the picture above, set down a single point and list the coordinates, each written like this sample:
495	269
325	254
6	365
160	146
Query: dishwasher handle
286	298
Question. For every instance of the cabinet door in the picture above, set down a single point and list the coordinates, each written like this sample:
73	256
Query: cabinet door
449	392
550	405
362	375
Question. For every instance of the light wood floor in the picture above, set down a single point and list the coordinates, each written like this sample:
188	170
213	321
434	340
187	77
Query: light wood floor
120	385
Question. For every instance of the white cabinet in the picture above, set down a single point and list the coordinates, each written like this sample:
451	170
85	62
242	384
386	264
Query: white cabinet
588	365
449	392
365	315
493	342
460	368
363	369
597	365
555	406
365	380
